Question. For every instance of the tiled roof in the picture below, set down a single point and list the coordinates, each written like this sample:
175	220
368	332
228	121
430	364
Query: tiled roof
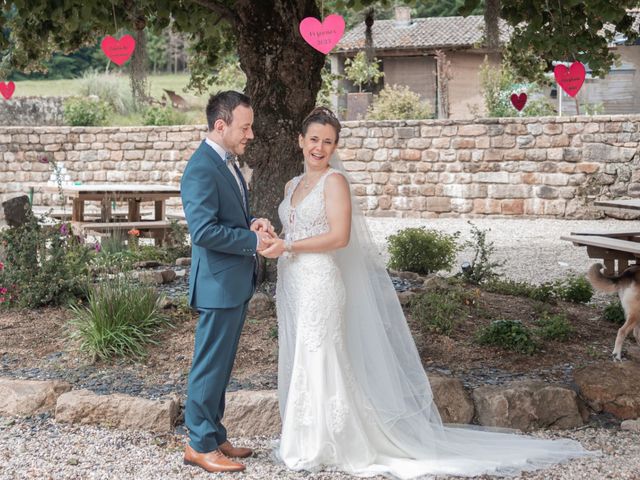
432	32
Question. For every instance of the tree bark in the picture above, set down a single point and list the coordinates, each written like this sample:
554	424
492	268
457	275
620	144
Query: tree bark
283	79
491	21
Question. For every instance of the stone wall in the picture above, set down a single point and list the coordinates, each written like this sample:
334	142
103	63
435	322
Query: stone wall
32	111
540	166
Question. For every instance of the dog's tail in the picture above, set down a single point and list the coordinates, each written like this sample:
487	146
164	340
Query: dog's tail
599	281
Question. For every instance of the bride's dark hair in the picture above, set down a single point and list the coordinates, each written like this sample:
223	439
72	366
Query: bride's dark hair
323	116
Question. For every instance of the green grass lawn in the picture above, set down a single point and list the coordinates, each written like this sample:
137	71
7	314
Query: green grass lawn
67	87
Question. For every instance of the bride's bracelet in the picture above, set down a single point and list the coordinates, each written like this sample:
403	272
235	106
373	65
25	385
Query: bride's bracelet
288	247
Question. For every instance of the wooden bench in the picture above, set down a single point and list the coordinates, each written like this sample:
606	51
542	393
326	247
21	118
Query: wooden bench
156	229
616	249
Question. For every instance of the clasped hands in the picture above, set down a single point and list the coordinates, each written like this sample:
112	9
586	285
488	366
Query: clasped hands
269	246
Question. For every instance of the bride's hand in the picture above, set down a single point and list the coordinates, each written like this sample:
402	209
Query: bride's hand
275	250
262	225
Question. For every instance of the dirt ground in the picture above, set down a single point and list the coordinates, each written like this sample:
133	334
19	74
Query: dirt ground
39	339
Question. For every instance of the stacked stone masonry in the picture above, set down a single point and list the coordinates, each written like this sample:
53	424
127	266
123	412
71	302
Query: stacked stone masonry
551	166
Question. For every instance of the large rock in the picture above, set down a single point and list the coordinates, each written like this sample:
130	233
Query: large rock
453	401
16	210
249	413
260	306
612	387
527	405
117	410
27	397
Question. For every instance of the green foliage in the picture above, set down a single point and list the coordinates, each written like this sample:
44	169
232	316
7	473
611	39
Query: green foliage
543	292
508	334
327	89
230	76
554	327
422	251
440	310
399	103
592	108
362	72
84	112
111	89
614	312
42	265
497	86
163	116
119	320
576	289
481	268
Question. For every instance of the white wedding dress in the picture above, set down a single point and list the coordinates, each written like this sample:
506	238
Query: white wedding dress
353	394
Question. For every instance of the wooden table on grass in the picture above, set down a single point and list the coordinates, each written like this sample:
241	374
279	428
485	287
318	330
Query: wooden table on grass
107	194
617	250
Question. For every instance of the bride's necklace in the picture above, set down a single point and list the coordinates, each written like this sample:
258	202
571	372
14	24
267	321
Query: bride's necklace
307	183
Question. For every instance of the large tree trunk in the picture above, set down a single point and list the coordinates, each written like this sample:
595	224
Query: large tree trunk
283	79
492	26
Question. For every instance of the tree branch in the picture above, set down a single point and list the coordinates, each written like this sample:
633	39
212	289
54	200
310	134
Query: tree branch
219	8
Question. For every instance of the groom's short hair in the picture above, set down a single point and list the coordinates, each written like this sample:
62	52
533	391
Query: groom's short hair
222	104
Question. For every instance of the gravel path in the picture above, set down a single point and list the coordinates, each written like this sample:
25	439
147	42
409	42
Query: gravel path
40	448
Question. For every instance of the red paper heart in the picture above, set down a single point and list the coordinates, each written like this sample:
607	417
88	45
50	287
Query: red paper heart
519	101
570	79
7	89
322	36
118	51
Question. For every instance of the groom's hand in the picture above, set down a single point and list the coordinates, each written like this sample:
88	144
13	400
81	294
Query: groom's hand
262	225
265	240
276	249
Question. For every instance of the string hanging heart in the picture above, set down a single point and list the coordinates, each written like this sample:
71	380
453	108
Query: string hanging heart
570	79
322	36
519	101
118	51
7	89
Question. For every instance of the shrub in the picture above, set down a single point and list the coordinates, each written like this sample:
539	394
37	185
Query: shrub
481	268
554	327
576	289
119	320
111	89
85	112
543	292
508	334
422	251
497	86
399	103
439	310
614	312
163	116
360	71
42	265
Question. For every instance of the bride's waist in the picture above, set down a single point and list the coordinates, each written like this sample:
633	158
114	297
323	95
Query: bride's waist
309	258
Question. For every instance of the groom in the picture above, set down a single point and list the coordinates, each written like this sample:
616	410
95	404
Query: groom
225	239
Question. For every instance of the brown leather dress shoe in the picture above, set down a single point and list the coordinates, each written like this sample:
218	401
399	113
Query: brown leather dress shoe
213	462
234	452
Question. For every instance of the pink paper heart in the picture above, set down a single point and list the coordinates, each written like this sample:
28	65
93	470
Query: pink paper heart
7	89
570	79
519	101
118	51
322	36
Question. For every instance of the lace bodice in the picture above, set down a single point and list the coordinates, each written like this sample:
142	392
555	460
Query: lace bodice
309	217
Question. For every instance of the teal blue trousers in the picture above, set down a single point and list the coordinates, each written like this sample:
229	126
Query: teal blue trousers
216	343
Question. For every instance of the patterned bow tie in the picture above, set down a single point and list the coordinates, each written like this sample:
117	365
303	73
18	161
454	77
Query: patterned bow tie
230	158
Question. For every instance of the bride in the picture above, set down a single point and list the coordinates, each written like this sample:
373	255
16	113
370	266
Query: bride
353	393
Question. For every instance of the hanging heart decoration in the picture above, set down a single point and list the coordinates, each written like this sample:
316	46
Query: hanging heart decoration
7	89
118	51
570	79
519	101
322	36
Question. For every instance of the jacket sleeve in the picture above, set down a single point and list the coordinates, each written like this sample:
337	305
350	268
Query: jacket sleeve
200	201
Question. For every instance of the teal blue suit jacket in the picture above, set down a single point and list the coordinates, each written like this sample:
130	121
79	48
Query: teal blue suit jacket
222	246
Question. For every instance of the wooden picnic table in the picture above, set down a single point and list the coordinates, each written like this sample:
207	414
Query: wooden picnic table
617	250
107	194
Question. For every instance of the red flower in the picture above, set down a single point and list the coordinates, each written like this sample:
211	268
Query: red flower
2	299
134	231
3	290
1	266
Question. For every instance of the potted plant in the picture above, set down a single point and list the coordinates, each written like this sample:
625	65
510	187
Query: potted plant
361	72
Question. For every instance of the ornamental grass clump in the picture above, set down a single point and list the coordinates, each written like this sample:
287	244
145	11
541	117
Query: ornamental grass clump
120	319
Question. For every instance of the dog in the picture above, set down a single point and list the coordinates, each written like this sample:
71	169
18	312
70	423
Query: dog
627	286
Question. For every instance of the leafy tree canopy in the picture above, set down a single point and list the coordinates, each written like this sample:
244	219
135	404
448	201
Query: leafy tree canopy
567	30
